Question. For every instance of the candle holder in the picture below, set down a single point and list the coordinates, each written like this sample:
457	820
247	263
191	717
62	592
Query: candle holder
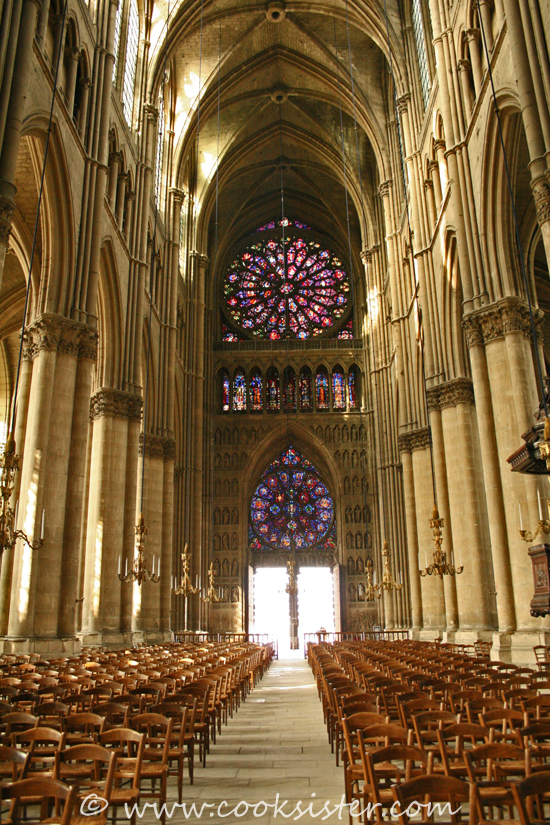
543	526
9	465
440	566
139	572
388	583
211	595
184	588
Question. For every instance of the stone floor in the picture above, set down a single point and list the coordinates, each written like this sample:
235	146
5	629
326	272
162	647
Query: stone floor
274	749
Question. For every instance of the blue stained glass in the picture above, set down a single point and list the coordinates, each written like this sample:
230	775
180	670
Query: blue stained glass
347	332
303	511
351	390
226	390
228	334
239	392
338	390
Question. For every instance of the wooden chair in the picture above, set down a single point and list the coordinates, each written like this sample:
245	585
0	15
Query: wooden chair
179	749
40	745
45	792
434	789
386	767
502	724
116	715
91	770
157	734
15	723
493	768
452	742
128	745
533	792
11	763
83	728
426	726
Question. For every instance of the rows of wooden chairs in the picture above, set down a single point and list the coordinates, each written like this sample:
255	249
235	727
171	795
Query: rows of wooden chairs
415	721
115	725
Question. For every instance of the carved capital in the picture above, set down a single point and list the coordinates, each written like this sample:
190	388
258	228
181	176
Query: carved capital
115	157
178	195
472	34
428	184
403	102
541	195
464	65
6	218
151	112
384	188
508	316
157	446
450	394
53	332
416	440
439	145
111	402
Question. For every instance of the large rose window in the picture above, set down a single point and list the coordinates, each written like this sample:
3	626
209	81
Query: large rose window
291	504
300	292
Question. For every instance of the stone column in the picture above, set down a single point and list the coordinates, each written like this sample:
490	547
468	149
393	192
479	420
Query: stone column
475	58
115	160
110	411
74	57
14	122
407	443
465	67
121	197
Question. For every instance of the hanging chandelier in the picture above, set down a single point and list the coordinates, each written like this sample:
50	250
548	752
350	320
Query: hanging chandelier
440	566
139	572
388	583
9	466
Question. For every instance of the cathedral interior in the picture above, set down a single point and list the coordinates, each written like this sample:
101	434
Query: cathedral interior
274	294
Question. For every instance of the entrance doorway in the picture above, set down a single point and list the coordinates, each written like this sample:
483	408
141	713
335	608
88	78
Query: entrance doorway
271	603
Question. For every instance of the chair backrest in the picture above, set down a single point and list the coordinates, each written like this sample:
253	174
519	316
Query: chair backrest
15	757
491	755
45	789
100	763
129	746
437	789
536	786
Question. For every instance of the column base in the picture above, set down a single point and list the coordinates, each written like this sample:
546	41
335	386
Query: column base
129	639
517	647
44	647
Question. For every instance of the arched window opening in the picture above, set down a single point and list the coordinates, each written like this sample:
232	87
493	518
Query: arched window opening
160	148
306	402
225	391
321	389
421	50
272	390
256	391
132	44
291	506
338	389
116	46
353	388
289	390
239	391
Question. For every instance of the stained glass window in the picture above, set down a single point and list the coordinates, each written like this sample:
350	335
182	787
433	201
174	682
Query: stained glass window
239	391
321	389
338	389
300	294
347	332
289	389
291	504
228	334
352	389
256	391
305	390
132	45
272	390
226	391
285	222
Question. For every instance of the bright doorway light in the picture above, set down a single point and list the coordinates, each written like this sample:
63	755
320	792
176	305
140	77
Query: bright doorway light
315	600
271	604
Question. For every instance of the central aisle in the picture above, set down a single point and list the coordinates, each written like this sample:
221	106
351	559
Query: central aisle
275	744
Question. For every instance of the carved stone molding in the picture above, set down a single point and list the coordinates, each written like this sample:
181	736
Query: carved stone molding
6	218
507	316
541	195
53	332
384	188
314	558
157	446
403	102
458	391
108	401
415	440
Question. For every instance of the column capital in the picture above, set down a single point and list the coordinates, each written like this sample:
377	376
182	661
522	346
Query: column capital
178	195
54	332
151	112
450	394
541	195
472	34
511	315
6	217
464	65
157	446
403	102
110	402
384	188
415	440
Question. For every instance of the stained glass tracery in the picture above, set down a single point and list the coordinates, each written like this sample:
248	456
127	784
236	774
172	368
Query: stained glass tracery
321	389
256	391
299	292
347	332
229	335
239	392
305	390
226	391
291	504
338	389
284	222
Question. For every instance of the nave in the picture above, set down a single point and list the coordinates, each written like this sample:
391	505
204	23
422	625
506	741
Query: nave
275	745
